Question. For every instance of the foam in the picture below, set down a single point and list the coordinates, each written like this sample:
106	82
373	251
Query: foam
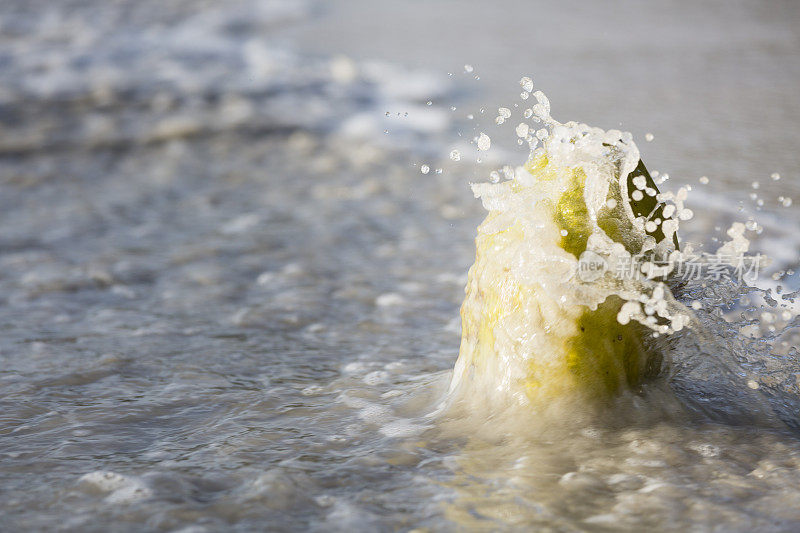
120	489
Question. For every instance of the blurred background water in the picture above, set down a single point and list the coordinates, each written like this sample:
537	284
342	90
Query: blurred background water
713	81
229	297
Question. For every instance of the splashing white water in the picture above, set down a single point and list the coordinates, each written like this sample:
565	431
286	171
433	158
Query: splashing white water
572	282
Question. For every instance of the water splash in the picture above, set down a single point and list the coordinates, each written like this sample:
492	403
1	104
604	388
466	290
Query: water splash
574	294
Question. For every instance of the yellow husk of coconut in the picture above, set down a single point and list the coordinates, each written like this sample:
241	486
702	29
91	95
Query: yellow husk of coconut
530	329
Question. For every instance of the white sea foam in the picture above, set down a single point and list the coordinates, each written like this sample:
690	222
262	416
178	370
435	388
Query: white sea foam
119	488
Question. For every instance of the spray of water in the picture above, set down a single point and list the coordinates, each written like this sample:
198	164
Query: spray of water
578	295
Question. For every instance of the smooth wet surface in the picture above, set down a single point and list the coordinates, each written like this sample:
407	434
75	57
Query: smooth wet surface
250	324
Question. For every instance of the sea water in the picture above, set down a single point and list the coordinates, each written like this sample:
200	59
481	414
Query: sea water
231	302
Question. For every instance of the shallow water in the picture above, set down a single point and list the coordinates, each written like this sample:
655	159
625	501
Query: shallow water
250	323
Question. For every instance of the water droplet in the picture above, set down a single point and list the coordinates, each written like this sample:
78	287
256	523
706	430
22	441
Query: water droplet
543	105
424	169
468	68
527	84
484	142
775	176
429	102
756	185
455	155
649	137
704	180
